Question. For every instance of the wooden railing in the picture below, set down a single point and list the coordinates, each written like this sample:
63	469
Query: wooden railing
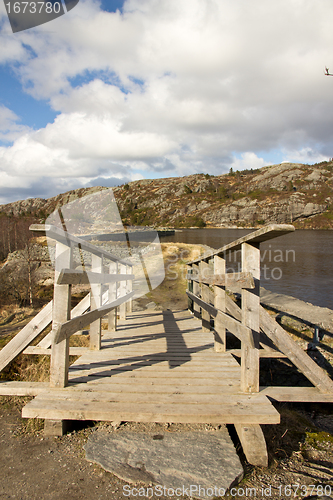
63	325
259	333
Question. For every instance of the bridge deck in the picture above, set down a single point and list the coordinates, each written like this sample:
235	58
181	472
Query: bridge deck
157	367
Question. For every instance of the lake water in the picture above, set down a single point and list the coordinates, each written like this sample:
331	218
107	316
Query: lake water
297	264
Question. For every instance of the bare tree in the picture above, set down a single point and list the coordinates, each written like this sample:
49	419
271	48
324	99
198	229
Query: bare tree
17	280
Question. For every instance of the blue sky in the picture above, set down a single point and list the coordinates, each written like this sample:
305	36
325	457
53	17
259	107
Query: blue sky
115	91
32	112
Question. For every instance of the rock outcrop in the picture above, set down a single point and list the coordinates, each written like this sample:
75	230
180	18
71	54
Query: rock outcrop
285	193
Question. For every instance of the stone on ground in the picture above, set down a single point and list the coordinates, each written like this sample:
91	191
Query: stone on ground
171	459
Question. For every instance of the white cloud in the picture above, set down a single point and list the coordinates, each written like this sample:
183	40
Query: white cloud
174	87
10	130
247	161
305	155
7	118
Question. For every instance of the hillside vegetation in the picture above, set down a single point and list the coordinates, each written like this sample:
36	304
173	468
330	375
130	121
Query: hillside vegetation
286	193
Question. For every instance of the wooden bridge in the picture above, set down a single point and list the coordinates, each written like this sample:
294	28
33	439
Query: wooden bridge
170	366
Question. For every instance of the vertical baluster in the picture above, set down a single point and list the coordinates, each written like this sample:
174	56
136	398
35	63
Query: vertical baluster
250	318
219	302
95	303
189	288
205	295
112	316
129	288
122	292
60	314
196	291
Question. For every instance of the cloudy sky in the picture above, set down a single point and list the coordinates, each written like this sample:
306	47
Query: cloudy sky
115	91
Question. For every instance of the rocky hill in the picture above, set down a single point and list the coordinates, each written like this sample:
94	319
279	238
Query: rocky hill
285	193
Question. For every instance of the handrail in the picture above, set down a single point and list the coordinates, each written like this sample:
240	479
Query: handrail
66	238
251	324
63	326
246	328
80	277
240	331
242	280
264	234
65	330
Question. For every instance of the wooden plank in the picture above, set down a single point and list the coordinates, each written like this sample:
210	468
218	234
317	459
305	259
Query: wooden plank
20	388
171	360
262	353
129	288
61	313
233	309
196	291
250	318
73	351
186	399
253	443
219	303
157	362
264	234
162	366
297	356
190	284
92	384
68	239
227	413
139	378
241	280
238	329
54	428
205	316
80	308
95	304
73	325
112	295
265	342
122	291
79	277
155	372
297	394
26	336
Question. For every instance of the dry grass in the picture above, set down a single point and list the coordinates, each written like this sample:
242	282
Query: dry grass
171	293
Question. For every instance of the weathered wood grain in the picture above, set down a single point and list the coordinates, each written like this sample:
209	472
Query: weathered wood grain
242	280
26	336
297	356
79	277
250	318
253	443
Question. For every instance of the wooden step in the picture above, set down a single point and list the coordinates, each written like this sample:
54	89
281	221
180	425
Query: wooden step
229	410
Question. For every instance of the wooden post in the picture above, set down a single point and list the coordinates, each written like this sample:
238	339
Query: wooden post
253	443
60	314
205	316
112	316
219	302
122	291
129	288
196	291
190	303
250	318
95	302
